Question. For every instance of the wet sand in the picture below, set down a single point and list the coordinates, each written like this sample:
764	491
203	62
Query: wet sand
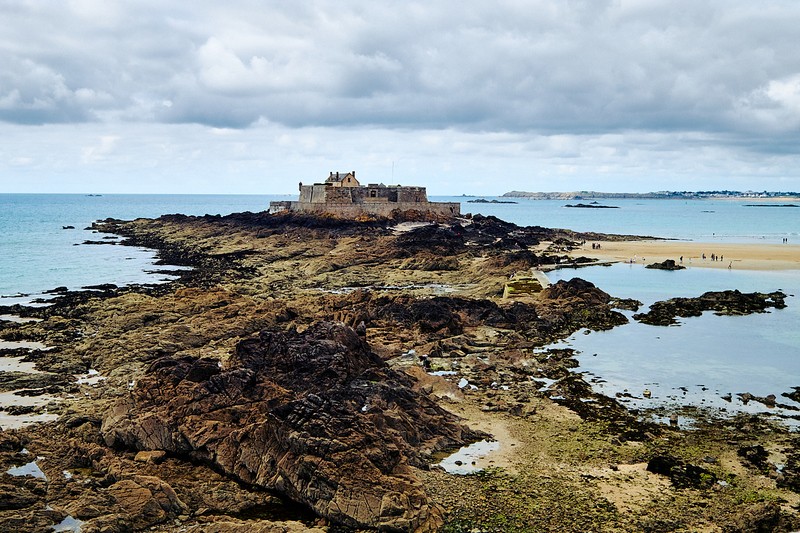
754	256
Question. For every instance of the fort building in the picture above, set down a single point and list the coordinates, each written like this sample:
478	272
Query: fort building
342	195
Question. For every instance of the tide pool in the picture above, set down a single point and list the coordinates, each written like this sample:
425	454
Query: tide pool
703	359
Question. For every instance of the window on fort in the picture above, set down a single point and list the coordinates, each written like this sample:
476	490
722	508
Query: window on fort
373	194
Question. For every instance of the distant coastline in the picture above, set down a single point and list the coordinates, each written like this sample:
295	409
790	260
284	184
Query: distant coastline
660	195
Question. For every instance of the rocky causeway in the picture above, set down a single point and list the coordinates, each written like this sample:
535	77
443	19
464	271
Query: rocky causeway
309	373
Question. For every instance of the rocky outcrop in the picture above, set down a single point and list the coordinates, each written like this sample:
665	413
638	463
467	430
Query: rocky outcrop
314	415
733	302
667	264
571	305
593	205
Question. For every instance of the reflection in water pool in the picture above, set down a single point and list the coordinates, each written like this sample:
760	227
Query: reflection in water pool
705	361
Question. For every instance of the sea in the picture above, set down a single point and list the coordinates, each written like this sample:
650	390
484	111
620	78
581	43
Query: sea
46	242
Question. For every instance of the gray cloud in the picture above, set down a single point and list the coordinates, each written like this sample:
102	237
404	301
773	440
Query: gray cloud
518	66
565	76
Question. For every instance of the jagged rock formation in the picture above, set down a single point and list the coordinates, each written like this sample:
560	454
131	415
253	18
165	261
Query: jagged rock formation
733	302
315	415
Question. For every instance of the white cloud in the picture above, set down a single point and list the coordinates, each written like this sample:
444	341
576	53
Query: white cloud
101	150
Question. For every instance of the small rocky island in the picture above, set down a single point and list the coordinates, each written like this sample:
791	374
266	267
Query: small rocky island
309	373
593	205
667	264
492	201
730	303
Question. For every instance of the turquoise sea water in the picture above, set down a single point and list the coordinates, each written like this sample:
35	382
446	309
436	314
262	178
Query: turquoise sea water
37	254
708	356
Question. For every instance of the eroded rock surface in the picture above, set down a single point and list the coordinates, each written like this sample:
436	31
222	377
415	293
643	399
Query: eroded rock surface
315	415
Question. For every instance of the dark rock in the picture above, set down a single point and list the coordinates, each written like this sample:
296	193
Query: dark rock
10	381
668	264
592	206
288	413
429	263
493	201
439	240
681	474
628	304
448	315
16	410
794	395
791	470
57	290
574	304
101	287
576	288
745	397
731	302
756	456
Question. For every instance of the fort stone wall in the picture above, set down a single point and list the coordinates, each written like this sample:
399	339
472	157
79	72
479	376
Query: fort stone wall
377	199
384	209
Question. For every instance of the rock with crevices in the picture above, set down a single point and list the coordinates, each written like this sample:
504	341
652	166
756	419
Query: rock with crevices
316	416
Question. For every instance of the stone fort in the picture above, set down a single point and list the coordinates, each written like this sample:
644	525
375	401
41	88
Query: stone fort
342	195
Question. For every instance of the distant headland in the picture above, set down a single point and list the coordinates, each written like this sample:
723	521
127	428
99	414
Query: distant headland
660	195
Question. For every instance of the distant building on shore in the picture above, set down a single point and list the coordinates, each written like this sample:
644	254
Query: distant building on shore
342	195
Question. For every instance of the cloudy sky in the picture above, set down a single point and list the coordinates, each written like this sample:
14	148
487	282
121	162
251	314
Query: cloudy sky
460	96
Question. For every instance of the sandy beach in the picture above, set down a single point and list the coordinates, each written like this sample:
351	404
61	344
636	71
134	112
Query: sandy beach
734	255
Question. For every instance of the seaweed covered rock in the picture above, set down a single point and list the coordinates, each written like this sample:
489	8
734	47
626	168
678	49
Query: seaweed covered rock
577	303
732	302
440	240
681	473
576	289
314	415
668	264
